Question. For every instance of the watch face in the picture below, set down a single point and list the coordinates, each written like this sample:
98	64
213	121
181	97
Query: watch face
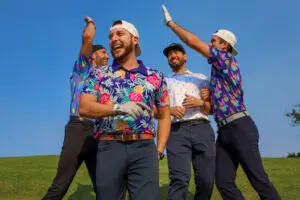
161	155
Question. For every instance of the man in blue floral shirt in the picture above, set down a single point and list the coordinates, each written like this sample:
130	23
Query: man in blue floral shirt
120	97
79	142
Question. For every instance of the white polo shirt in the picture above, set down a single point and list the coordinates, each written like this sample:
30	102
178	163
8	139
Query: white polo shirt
187	83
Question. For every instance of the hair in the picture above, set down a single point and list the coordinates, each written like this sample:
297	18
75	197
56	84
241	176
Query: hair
116	22
229	47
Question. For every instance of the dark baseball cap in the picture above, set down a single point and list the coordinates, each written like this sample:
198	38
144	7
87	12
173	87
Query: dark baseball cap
173	46
97	47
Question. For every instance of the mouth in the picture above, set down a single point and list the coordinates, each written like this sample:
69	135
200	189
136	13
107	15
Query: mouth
174	60
117	46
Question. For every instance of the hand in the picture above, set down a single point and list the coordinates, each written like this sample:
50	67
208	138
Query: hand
167	15
160	155
192	102
135	109
87	19
205	94
178	111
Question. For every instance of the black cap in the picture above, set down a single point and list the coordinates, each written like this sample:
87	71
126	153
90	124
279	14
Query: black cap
96	47
172	47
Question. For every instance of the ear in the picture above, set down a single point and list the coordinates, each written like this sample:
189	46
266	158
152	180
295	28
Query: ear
224	46
185	56
135	40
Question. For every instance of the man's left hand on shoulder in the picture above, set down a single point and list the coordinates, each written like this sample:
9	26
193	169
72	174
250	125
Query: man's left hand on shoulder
192	102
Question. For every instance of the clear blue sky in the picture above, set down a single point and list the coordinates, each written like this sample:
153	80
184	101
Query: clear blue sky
41	39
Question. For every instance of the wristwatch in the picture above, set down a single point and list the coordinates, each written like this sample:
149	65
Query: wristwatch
87	22
161	155
203	105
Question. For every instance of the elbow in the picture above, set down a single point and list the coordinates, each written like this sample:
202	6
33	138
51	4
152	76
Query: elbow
87	38
83	110
192	42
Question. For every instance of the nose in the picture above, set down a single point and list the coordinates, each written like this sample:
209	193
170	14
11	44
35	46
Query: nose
114	37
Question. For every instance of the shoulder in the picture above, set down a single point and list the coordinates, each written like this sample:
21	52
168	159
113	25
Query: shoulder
151	71
220	54
100	71
201	76
198	75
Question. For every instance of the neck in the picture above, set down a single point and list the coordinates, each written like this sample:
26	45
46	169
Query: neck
129	62
94	64
180	70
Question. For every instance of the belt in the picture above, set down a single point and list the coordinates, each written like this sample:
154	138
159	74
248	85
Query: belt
77	118
127	137
232	118
191	122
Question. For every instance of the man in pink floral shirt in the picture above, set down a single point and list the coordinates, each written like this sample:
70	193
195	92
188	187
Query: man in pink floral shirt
120	97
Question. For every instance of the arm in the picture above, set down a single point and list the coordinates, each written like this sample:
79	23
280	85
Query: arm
89	107
164	126
162	114
205	95
88	104
88	37
177	111
206	108
187	37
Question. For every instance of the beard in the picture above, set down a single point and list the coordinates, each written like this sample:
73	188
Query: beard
177	65
123	52
100	61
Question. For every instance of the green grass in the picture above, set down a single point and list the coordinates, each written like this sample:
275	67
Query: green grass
28	178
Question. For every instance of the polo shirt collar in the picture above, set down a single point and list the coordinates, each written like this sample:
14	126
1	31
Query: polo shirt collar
140	69
186	72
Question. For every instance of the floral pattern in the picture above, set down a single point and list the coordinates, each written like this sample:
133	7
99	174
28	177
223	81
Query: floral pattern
113	84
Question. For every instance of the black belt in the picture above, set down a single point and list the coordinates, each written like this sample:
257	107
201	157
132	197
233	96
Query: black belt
191	122
77	118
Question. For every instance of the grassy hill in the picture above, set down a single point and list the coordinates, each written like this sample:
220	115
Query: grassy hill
28	178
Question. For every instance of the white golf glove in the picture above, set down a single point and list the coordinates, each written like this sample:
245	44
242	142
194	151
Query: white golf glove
168	17
135	109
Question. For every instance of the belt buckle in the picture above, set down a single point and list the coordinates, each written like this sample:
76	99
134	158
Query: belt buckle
122	138
132	137
80	119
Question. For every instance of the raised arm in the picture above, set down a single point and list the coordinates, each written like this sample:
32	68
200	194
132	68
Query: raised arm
187	37
88	36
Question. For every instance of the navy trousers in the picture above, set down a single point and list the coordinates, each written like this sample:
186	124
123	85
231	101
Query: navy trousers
191	144
237	143
131	166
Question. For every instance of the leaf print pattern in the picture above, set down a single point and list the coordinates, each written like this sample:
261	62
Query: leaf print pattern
80	71
225	84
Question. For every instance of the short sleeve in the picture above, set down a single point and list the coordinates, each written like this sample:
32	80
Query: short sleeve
162	98
92	82
81	65
204	82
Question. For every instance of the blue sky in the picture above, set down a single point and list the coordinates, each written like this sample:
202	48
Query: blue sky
40	41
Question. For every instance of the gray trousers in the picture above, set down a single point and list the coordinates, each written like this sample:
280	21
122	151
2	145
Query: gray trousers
191	143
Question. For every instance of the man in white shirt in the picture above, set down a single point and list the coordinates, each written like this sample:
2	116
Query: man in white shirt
192	138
